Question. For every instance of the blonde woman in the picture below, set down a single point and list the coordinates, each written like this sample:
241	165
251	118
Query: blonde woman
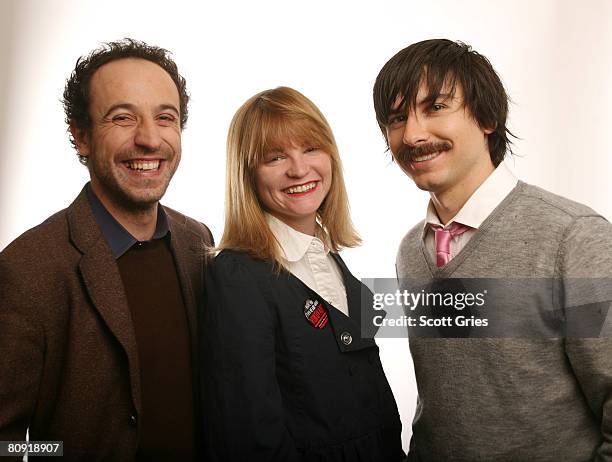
288	375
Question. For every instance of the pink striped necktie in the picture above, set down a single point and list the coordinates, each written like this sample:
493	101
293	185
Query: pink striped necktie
443	239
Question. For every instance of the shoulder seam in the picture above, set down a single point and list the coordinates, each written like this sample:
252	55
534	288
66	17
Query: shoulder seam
528	191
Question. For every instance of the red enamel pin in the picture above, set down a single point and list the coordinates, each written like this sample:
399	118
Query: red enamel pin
316	313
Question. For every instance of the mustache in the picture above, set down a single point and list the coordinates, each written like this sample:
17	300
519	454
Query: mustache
407	153
139	153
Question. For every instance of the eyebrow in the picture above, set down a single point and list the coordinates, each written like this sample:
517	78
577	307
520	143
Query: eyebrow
170	107
133	107
401	109
429	99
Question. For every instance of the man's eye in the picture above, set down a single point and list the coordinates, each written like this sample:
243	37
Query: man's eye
123	119
437	107
167	117
397	120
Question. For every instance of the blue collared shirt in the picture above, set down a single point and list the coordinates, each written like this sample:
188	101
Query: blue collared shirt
118	238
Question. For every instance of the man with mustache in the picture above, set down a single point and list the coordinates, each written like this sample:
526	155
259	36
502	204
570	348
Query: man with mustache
443	111
98	304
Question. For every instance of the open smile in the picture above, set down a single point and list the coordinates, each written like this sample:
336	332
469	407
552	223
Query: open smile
302	189
426	161
425	157
146	167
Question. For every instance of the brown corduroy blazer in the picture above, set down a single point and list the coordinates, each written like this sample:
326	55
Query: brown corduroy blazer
68	355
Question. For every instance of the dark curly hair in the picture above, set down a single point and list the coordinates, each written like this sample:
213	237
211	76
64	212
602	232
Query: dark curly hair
77	92
438	62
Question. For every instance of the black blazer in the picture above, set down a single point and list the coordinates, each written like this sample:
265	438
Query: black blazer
278	388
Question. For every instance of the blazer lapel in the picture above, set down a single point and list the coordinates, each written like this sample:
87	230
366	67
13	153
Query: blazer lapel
188	258
352	333
353	289
104	285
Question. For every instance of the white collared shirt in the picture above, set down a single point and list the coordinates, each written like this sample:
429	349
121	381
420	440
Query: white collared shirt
308	259
477	208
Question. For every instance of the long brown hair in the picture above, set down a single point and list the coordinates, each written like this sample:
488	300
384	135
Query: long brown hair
264	122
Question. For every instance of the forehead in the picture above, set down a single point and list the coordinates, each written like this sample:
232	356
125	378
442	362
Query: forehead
289	132
297	141
135	81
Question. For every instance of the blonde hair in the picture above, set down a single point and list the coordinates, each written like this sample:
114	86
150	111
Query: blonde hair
265	122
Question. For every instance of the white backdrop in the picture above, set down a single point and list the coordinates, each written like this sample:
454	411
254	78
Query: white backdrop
554	57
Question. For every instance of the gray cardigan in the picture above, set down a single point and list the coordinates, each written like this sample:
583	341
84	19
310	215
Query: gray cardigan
508	399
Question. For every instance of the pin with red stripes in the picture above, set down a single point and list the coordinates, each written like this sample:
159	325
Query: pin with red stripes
316	313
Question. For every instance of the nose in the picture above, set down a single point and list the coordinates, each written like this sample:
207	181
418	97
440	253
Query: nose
147	134
298	166
414	131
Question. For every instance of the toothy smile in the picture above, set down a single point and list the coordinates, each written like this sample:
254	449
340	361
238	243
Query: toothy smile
143	166
426	157
301	188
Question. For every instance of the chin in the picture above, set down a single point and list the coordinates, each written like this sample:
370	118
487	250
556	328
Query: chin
429	183
141	200
426	185
304	214
422	187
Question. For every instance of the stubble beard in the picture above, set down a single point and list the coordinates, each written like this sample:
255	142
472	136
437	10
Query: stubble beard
115	184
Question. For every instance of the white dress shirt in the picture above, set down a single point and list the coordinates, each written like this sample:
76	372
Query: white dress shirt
308	259
477	208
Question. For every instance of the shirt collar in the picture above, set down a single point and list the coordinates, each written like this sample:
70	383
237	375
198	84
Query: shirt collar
118	238
293	243
484	200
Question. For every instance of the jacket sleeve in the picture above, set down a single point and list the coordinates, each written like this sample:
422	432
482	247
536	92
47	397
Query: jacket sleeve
243	405
21	353
585	262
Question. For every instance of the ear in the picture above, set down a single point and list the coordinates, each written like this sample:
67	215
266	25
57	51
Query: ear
81	139
488	131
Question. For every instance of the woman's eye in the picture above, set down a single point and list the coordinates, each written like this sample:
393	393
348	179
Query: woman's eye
274	158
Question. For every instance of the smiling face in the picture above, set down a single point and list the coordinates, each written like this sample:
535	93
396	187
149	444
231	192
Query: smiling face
134	145
439	145
292	183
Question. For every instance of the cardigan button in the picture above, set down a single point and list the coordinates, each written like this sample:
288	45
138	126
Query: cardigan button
133	420
346	338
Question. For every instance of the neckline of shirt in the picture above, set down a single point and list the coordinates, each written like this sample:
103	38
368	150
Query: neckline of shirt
481	203
294	243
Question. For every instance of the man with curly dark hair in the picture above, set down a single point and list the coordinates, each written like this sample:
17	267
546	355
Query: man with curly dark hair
98	311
